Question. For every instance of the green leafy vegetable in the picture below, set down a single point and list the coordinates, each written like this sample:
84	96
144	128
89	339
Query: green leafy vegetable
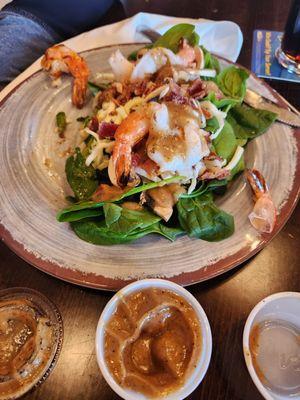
62	216
61	123
171	39
241	142
82	179
210	61
83	214
232	82
84	120
240	166
225	143
205	187
121	226
201	218
225	102
95	89
248	122
212	125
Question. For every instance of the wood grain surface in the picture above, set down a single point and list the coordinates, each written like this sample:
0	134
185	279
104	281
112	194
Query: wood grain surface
227	300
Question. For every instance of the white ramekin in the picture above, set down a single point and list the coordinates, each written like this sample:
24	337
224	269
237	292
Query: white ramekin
198	374
282	306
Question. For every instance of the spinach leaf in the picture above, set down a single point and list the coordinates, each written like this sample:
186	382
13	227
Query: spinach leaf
205	187
95	232
225	143
124	221
241	142
202	219
61	123
63	214
212	125
210	61
240	166
121	226
82	179
171	38
167	231
222	103
232	82
95	89
248	122
83	214
84	120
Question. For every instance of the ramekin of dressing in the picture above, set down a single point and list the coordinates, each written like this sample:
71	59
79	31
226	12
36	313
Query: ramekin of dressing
271	344
153	341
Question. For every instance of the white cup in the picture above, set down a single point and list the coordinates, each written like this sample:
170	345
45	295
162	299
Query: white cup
283	306
198	373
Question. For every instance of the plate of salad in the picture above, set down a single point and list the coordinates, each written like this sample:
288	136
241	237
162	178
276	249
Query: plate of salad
135	161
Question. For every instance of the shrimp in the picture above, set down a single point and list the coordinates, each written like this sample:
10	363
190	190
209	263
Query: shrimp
59	59
187	52
263	216
151	62
175	143
131	130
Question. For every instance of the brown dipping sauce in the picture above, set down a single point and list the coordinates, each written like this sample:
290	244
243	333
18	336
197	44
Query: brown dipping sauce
28	341
152	342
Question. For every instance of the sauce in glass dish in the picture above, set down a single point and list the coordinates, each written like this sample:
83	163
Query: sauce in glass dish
30	340
152	342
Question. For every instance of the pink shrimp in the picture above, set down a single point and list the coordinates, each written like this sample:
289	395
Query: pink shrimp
132	129
187	52
263	216
59	59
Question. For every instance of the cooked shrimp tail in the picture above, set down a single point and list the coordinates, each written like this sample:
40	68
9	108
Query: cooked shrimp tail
263	216
60	59
257	182
129	133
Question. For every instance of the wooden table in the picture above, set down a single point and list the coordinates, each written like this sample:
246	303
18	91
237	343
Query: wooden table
227	300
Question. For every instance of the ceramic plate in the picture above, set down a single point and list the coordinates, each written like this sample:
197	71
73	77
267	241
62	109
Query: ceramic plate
33	188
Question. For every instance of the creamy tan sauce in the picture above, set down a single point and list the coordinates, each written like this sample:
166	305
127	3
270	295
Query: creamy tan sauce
152	342
172	143
25	339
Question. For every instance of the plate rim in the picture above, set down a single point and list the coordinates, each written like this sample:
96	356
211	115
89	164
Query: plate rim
100	282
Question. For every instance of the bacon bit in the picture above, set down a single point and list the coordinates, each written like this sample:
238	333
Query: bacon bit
107	130
108	193
219	173
197	90
93	125
176	94
106	95
134	89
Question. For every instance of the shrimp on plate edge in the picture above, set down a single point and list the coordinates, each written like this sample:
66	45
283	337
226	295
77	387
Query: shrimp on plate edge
263	216
60	59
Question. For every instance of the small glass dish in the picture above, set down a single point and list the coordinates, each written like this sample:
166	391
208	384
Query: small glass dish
271	344
31	336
